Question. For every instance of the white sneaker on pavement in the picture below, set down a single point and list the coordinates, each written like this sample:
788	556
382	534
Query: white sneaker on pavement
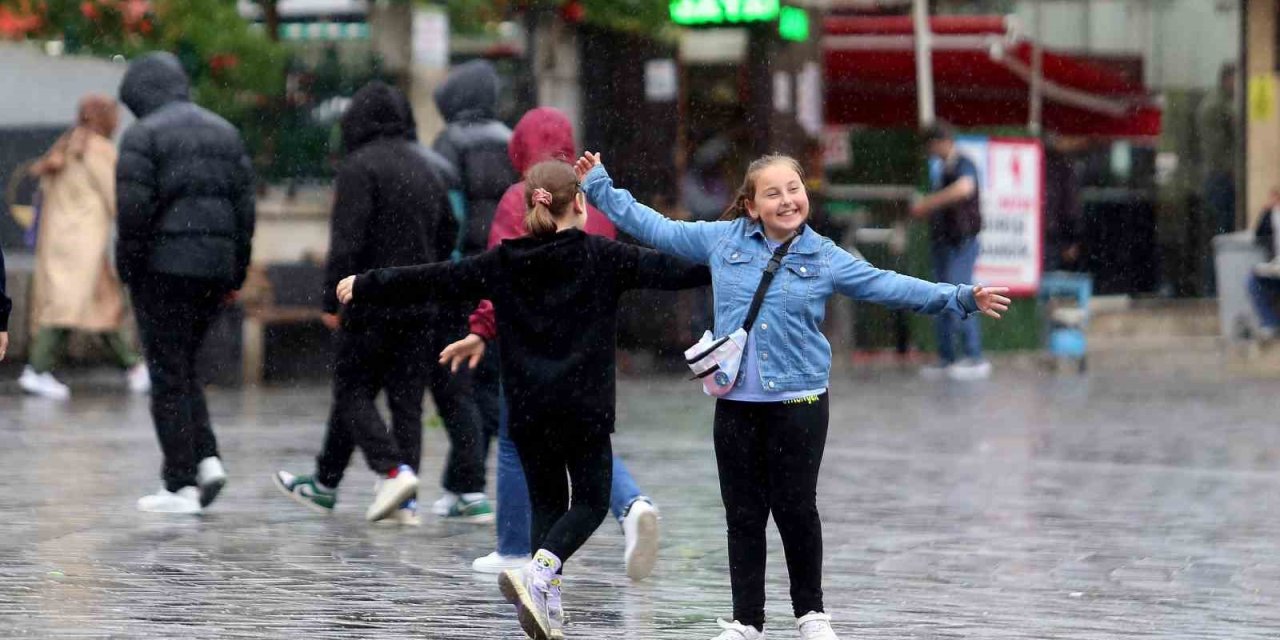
139	379
43	384
211	478
442	506
735	631
640	528
183	501
815	626
497	563
391	492
527	588
968	370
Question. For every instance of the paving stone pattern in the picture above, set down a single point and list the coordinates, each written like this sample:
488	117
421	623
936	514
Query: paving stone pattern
1023	507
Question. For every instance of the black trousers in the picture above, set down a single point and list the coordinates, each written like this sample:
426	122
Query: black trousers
768	455
560	457
398	357
174	314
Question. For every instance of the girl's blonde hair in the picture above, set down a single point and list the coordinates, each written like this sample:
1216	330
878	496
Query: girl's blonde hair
747	192
557	178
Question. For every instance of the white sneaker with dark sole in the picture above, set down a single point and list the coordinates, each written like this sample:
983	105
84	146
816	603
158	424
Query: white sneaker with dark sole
640	528
210	478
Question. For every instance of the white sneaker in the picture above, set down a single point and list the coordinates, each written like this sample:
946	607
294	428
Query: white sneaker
640	528
406	515
43	384
935	371
815	626
735	631
442	506
497	563
527	589
391	492
185	501
968	370
211	478
139	379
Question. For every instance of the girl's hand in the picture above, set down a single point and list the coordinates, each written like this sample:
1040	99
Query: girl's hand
469	349
991	300
346	289
584	164
4	343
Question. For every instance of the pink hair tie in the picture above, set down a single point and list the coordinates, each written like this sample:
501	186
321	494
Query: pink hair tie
542	197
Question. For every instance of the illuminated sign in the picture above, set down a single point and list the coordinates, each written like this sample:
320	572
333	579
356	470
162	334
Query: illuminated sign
793	24
688	13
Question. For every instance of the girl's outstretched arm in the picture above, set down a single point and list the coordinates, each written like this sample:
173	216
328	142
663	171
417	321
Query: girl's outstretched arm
859	280
467	279
692	241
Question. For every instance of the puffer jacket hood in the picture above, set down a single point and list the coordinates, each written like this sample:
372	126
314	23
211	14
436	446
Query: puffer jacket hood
470	92
153	81
377	111
542	134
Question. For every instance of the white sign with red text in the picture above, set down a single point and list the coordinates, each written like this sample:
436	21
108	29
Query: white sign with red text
1011	183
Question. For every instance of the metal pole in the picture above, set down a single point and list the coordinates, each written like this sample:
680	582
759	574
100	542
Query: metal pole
1037	72
924	63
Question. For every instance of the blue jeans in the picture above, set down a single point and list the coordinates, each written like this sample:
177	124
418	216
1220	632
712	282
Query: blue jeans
1265	292
513	493
953	264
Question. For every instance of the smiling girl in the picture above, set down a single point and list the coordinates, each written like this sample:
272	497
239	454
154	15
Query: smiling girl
771	428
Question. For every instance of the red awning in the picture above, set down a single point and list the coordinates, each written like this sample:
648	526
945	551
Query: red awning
982	77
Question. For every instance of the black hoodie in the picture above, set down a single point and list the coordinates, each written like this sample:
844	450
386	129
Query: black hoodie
556	299
391	205
184	184
475	142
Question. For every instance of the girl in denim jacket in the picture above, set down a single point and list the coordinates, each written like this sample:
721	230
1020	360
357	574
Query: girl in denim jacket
770	430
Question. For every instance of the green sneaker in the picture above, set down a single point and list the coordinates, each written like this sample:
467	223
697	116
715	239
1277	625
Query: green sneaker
471	510
306	491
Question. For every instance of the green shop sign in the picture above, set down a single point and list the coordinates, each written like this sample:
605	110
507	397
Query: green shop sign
793	22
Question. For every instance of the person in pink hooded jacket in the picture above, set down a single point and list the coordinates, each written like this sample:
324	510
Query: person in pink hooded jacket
543	134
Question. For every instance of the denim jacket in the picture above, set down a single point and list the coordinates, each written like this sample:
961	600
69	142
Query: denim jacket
792	353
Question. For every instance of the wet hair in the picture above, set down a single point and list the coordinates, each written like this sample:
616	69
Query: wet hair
747	192
938	132
558	178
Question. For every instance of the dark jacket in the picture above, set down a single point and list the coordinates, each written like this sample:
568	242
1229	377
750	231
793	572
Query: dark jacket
475	142
557	304
1265	234
184	185
963	220
6	305
391	206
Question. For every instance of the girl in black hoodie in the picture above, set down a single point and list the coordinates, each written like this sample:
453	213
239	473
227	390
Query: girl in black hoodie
556	293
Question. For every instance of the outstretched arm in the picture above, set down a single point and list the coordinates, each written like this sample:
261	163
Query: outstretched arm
692	241
467	279
859	280
641	268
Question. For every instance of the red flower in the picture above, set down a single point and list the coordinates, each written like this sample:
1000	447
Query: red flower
89	10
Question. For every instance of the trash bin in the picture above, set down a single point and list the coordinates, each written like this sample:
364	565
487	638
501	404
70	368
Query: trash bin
1064	303
1234	255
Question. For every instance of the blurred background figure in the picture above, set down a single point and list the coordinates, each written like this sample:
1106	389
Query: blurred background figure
1264	280
76	286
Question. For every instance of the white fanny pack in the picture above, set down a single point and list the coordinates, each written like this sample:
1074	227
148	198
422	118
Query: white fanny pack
716	361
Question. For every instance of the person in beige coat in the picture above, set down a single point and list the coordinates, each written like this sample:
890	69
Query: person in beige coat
76	288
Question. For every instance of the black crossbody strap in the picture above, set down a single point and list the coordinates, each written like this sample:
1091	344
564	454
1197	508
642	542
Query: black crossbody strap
767	279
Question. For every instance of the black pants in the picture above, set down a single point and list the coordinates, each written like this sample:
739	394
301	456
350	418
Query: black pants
486	386
174	314
547	452
768	455
398	357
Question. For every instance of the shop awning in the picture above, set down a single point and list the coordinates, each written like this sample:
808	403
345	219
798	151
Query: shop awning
982	77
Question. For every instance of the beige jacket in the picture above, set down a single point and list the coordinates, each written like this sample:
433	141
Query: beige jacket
75	283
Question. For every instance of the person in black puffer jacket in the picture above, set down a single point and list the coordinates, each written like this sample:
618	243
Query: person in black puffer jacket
391	208
184	195
476	143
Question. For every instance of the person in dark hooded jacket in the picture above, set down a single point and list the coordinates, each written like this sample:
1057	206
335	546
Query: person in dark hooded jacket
475	142
391	209
184	196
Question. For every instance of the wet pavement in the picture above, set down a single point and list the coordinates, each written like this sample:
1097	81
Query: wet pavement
1023	507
